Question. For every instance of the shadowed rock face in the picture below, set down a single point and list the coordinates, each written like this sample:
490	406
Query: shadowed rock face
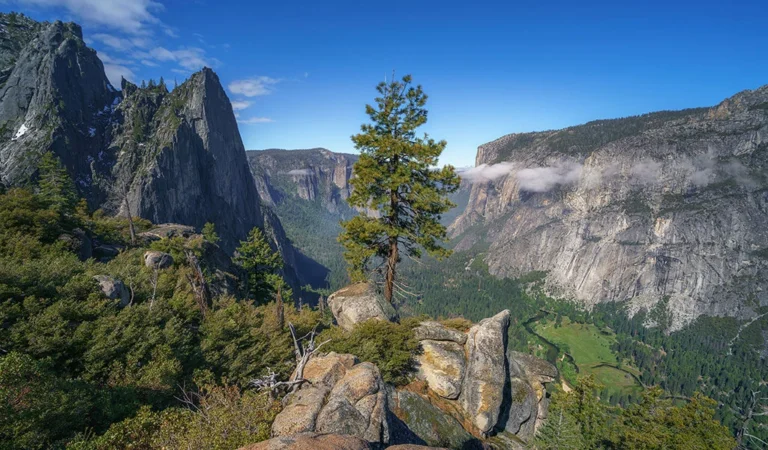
189	160
668	204
54	96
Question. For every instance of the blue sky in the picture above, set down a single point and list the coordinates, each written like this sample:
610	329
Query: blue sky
300	73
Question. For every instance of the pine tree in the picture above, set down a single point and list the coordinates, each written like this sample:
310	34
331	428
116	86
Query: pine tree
55	185
262	264
560	431
209	233
396	176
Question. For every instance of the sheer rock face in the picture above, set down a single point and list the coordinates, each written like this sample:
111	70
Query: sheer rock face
357	303
343	397
189	162
54	96
482	392
314	175
668	204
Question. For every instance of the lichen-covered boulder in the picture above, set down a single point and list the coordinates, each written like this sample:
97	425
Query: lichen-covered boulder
311	441
341	397
357	303
482	391
429	423
300	413
442	365
357	405
157	260
113	289
435	331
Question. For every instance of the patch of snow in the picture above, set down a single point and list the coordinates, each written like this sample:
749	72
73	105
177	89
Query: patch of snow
23	129
116	101
92	132
101	155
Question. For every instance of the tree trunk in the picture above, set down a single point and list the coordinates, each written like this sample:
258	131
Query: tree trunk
279	310
130	218
389	285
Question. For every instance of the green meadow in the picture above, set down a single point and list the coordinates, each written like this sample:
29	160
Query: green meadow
590	348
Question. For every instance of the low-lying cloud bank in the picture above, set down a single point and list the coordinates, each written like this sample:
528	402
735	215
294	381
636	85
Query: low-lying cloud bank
698	171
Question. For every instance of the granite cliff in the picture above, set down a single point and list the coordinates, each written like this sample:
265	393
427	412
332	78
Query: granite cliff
313	175
176	155
663	209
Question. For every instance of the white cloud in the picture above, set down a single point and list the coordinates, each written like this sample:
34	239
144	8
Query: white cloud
130	16
534	179
253	87
106	58
117	43
484	172
252	120
544	179
116	71
189	58
238	105
148	63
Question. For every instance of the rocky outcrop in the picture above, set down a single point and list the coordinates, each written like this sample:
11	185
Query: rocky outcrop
442	366
157	260
482	391
468	387
311	441
430	424
357	303
665	205
473	378
342	396
113	289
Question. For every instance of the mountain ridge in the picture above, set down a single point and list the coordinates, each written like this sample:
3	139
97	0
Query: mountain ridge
659	206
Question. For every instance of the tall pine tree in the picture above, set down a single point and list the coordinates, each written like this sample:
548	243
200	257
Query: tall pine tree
396	175
55	185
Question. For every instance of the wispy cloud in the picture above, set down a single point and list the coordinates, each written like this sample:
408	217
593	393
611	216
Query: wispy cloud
252	120
253	87
487	172
239	105
115	72
189	58
130	16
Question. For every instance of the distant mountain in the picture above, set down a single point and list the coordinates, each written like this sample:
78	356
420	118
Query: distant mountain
308	190
179	154
665	209
313	174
